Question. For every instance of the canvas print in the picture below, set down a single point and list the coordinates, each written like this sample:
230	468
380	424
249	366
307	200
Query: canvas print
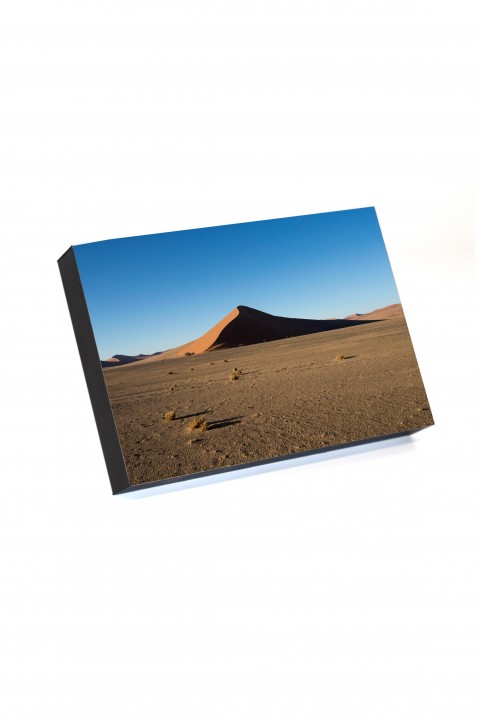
238	344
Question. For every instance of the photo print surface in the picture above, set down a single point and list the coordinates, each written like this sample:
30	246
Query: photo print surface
242	343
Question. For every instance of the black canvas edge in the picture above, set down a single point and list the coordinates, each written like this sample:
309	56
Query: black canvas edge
93	372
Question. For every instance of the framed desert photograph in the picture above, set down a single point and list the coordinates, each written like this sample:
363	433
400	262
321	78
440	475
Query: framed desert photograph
209	349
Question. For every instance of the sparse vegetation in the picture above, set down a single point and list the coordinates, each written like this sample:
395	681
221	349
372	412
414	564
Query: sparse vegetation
169	415
339	357
188	354
170	372
198	423
235	374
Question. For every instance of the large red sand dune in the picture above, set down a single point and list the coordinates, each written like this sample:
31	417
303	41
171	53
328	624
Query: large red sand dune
247	326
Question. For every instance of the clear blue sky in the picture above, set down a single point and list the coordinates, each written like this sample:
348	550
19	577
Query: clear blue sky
155	292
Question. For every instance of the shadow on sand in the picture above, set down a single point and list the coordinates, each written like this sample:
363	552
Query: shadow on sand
195	414
217	424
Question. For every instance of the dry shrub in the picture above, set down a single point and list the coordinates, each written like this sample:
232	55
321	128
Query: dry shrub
234	375
169	415
339	357
196	424
187	354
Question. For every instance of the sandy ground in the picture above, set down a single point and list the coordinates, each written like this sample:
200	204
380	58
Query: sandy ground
292	396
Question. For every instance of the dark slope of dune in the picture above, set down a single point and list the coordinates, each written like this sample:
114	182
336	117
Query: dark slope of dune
252	326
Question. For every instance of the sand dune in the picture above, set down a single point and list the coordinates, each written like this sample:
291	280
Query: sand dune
207	341
386	313
247	326
117	360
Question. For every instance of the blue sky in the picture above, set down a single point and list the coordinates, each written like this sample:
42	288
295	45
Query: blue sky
155	292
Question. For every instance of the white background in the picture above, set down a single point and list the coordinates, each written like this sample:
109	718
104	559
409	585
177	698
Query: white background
344	587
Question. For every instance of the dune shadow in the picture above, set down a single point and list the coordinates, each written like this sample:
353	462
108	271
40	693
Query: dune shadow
258	333
352	323
217	424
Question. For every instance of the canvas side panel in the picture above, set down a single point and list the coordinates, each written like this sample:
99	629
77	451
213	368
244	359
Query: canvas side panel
93	371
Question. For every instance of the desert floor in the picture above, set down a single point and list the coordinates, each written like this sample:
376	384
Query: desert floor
292	396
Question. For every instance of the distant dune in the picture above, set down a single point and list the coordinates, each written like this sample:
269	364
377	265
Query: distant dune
247	326
117	360
387	313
